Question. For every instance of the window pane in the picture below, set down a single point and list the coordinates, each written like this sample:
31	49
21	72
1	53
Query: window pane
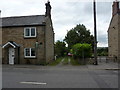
32	31
32	51
27	52
27	32
119	5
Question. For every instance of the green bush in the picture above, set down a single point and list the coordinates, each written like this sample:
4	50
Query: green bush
82	50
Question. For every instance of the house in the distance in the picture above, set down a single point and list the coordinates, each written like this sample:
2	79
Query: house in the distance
114	32
28	39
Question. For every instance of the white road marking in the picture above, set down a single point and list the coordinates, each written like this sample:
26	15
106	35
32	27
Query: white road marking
34	83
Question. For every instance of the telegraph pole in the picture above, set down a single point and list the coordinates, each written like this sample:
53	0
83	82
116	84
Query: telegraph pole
0	13
95	34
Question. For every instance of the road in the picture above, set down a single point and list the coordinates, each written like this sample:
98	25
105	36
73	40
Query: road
58	77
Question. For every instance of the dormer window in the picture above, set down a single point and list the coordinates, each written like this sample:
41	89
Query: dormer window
30	32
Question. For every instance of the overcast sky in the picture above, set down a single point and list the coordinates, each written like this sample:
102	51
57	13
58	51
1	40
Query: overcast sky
66	14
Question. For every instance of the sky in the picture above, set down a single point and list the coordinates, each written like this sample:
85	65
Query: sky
66	14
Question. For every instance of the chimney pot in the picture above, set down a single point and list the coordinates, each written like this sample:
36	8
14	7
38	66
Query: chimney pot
115	8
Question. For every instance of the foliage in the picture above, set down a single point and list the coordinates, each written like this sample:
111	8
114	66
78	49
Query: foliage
79	34
103	51
60	48
82	50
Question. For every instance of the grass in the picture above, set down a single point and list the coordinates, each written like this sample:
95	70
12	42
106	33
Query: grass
57	61
65	62
74	62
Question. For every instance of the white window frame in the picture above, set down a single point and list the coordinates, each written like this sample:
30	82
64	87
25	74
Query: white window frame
30	53
29	32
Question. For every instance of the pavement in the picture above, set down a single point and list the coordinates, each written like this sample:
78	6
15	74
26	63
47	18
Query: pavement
106	66
101	65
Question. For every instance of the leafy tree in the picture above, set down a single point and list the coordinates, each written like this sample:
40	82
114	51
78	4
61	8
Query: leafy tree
79	34
103	51
60	48
80	50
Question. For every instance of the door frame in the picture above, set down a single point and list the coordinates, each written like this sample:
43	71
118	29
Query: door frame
16	47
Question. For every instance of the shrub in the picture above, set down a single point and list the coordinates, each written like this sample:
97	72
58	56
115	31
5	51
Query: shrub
82	50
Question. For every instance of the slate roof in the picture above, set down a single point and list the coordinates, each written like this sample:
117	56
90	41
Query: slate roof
23	20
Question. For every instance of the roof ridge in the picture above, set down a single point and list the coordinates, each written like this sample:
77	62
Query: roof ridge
22	16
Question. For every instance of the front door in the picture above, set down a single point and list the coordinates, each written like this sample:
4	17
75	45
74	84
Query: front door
11	55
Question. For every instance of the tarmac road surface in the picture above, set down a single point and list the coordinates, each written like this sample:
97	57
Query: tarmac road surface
58	77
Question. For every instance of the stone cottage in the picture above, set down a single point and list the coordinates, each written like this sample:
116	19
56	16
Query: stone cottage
28	39
114	32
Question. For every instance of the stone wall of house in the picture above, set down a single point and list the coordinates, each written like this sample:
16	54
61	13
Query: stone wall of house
119	37
41	45
113	37
16	34
0	45
49	33
0	41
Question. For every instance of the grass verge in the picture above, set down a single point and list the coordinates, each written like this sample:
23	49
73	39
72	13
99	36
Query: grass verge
65	62
56	62
74	62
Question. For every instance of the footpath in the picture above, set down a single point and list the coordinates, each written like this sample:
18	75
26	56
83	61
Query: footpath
105	66
101	66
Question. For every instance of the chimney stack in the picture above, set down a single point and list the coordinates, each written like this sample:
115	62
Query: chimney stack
48	9
115	8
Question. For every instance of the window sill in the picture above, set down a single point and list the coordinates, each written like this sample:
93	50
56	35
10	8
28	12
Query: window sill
30	57
29	37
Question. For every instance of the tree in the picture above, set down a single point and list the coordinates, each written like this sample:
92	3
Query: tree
60	48
102	51
79	34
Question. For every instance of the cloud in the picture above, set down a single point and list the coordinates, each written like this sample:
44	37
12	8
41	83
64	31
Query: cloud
21	7
104	8
72	13
65	14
